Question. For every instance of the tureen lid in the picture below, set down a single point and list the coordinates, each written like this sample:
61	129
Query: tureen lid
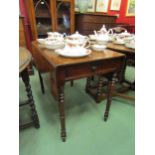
77	35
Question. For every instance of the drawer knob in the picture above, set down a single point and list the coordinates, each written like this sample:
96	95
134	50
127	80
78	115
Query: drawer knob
93	68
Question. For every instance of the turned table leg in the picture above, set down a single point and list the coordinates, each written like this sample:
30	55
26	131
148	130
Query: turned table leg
72	83
26	80
41	83
111	87
88	84
62	113
99	89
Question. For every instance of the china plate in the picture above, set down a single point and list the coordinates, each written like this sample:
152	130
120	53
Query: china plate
52	47
55	47
64	53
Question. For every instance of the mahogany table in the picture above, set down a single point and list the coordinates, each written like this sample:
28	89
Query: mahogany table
24	60
130	53
65	69
130	58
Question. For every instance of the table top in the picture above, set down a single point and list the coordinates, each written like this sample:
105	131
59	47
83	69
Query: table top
56	60
24	58
120	48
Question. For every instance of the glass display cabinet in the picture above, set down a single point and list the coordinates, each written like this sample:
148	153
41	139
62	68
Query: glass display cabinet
42	17
45	16
50	15
63	16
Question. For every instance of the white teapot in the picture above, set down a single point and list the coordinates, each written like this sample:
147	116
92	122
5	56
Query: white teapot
103	30
103	36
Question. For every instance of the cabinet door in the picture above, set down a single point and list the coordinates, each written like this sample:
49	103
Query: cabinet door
65	16
43	17
50	15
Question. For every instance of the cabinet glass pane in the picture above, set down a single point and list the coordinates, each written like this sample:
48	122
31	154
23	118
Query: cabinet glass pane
43	17
63	17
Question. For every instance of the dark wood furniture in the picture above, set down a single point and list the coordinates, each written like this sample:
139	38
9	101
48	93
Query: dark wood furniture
130	60
45	16
130	54
129	27
22	40
88	22
66	69
50	15
24	60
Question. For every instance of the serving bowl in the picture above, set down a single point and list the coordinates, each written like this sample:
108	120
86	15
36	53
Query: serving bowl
98	48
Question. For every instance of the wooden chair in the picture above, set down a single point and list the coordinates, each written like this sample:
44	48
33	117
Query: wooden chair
23	43
24	60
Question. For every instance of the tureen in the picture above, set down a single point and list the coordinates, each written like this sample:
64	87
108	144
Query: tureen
76	35
55	36
76	39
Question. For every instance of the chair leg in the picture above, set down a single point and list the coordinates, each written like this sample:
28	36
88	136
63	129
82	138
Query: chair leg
34	116
41	83
72	83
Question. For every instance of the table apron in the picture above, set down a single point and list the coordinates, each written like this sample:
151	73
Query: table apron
88	69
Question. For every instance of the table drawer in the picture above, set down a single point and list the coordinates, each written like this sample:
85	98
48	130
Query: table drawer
84	70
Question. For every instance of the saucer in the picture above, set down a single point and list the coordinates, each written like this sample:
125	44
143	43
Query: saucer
73	52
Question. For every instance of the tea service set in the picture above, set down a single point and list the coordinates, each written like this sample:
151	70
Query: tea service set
53	41
103	36
77	45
